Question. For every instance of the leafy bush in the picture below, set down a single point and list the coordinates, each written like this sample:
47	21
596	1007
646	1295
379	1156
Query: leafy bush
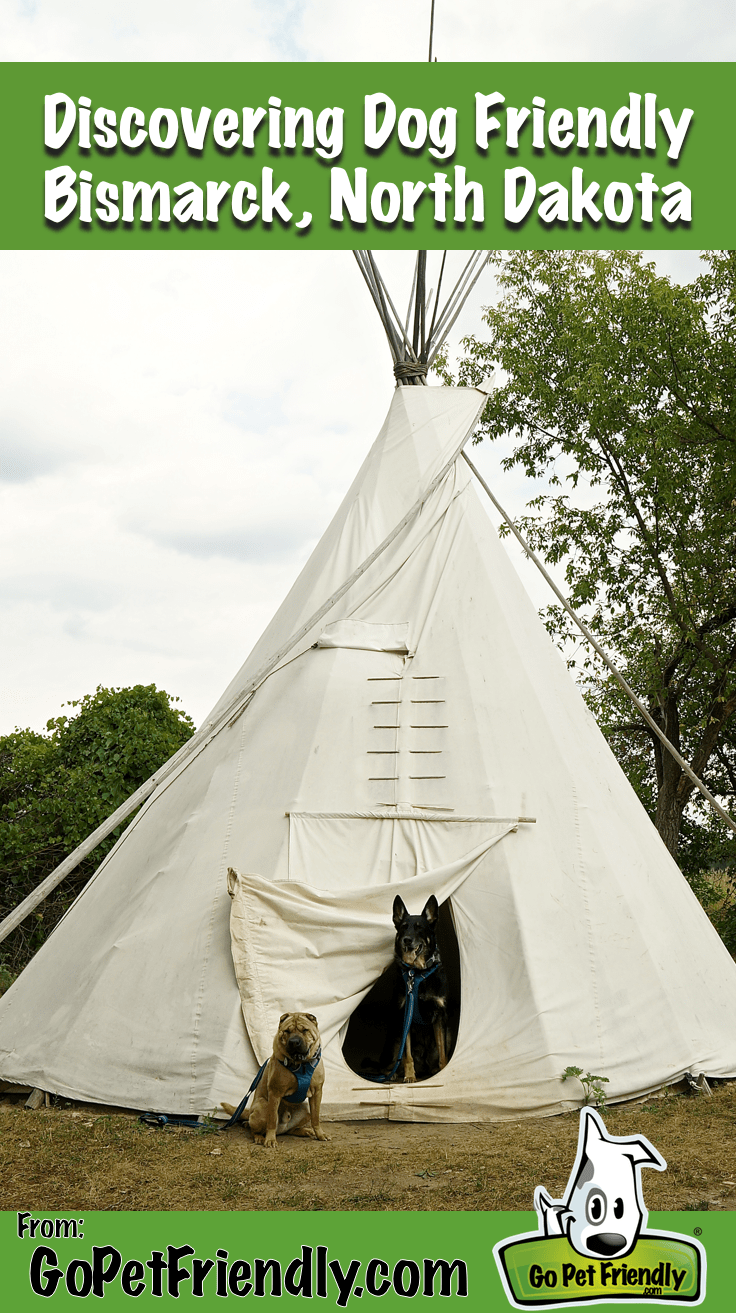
56	788
716	892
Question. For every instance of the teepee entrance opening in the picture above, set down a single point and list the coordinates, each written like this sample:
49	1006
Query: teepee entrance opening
369	1044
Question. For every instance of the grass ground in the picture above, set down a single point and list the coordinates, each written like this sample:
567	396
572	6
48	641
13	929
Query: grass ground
83	1157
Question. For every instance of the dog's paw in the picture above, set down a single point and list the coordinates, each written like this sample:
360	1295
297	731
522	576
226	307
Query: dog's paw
257	1139
320	1135
410	1079
271	1143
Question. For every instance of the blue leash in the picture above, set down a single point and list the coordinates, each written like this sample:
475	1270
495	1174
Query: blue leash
165	1119
241	1106
303	1074
411	1012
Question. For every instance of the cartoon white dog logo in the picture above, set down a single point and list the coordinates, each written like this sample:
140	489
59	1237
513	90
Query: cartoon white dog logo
602	1212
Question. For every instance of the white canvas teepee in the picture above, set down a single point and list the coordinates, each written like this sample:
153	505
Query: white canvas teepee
393	748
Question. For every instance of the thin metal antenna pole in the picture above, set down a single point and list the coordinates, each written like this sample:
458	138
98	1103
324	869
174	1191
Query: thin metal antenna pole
431	32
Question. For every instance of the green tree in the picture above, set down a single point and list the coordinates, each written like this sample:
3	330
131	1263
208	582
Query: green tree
617	390
56	788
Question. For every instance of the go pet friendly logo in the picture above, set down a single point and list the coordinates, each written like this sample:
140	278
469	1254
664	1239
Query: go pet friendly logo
592	1246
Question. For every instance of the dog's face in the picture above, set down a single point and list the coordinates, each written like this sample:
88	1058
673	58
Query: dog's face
416	936
297	1037
606	1209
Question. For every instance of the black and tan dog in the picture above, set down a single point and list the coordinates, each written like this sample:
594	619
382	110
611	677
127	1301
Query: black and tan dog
417	959
294	1074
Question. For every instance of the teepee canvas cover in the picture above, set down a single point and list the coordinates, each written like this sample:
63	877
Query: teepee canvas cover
392	749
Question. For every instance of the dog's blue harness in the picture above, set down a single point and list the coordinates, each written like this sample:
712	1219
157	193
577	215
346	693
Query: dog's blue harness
411	976
303	1073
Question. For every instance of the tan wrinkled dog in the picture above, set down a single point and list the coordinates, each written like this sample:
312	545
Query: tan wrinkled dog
290	1067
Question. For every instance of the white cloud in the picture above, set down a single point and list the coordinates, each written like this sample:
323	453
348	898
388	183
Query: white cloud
202	415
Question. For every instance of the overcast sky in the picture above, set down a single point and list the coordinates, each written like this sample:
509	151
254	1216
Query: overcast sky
177	429
367	30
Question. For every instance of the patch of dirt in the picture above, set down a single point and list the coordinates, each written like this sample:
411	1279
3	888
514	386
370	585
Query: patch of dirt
81	1157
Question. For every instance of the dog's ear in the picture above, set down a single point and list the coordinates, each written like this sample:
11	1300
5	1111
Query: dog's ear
311	1017
400	913
283	1017
431	911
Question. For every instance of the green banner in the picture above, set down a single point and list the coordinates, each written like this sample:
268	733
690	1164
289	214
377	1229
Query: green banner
222	156
336	1259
